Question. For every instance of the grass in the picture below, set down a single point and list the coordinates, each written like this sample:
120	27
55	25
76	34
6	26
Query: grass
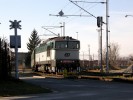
18	87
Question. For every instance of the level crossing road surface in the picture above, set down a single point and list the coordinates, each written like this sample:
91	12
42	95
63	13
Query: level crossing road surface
77	89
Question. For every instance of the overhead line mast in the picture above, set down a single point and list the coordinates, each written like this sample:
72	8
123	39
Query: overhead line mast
107	30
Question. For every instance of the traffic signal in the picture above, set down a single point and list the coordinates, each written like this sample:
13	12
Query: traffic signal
99	21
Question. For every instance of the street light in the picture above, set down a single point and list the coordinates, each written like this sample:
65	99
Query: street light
128	15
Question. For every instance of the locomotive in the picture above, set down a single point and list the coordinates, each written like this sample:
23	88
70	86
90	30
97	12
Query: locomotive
56	54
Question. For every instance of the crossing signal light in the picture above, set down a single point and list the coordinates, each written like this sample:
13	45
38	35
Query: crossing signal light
15	24
18	25
12	25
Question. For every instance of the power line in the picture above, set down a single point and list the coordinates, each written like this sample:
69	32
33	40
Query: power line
89	2
50	31
70	15
82	9
66	16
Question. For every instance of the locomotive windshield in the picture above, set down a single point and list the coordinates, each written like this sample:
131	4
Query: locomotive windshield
67	44
73	45
61	45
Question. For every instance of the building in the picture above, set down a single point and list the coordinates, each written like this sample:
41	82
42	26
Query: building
21	59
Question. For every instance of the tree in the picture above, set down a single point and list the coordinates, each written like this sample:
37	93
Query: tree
113	55
5	67
131	57
34	40
28	59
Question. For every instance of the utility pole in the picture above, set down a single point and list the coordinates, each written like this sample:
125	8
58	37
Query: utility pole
62	26
99	24
16	25
83	59
107	30
77	35
89	56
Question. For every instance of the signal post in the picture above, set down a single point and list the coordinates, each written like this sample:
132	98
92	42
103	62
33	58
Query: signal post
15	42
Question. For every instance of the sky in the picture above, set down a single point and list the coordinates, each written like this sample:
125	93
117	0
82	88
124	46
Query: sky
34	14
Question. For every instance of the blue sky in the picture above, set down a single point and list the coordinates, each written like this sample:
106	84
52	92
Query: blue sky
35	13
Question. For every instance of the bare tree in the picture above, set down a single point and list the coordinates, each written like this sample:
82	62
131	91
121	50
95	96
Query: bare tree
124	62
113	55
131	57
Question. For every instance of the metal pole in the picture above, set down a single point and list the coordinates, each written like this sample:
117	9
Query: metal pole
16	25
101	47
63	28
77	35
107	56
61	31
83	58
89	56
98	47
16	51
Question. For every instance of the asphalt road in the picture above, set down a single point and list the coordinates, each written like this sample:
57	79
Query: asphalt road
78	89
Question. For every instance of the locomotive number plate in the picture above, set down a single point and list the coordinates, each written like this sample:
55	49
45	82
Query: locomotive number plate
67	54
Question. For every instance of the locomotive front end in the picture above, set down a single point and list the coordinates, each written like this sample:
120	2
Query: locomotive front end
67	54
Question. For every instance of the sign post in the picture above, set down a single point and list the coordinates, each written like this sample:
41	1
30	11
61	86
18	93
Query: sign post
16	25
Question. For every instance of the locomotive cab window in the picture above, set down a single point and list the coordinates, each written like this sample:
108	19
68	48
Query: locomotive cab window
61	45
73	45
48	51
52	45
67	44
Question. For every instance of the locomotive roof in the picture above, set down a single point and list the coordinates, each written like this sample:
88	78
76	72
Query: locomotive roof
60	39
63	38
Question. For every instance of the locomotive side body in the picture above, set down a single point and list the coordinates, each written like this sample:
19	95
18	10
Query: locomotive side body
57	54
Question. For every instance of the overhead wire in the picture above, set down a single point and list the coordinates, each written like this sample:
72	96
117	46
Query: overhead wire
65	8
58	18
52	22
81	12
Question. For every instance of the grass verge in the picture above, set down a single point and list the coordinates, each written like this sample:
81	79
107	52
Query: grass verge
18	87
